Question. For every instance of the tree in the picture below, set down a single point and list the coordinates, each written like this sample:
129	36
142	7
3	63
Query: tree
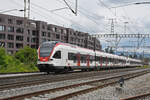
122	54
130	56
106	50
2	56
27	55
135	55
111	51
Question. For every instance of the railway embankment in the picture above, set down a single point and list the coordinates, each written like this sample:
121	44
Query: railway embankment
133	87
93	89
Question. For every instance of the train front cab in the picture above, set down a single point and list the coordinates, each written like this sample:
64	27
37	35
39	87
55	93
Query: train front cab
54	63
48	57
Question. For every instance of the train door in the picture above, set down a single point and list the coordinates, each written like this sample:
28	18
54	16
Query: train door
64	57
106	61
101	61
78	59
88	60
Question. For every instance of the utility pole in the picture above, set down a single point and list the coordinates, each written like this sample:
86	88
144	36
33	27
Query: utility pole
112	25
125	27
26	17
27	9
112	31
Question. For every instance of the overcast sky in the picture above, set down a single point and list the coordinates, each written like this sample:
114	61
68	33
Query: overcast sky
93	15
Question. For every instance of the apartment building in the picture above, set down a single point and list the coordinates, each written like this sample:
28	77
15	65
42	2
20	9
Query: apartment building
17	32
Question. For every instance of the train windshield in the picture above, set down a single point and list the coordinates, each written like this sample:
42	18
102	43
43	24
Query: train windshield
46	49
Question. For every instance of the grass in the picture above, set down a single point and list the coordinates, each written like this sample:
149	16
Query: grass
145	66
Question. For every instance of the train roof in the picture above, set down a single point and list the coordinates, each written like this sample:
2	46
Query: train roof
86	51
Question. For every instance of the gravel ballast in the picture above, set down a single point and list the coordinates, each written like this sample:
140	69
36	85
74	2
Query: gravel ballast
132	87
30	89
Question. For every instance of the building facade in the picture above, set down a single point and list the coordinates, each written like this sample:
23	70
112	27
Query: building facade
17	32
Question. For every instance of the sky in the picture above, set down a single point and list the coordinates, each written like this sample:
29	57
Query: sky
93	16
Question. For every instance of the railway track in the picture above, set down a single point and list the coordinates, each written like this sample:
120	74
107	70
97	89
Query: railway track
145	96
80	88
18	81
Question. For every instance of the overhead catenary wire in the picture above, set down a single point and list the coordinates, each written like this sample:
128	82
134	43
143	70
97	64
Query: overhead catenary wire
109	8
57	15
69	7
85	13
51	12
34	10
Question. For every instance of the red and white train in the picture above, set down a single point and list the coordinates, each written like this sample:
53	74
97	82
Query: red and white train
55	56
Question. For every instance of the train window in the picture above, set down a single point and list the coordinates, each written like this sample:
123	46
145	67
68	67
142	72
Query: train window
83	58
100	60
91	59
70	56
74	58
104	59
57	55
108	60
97	58
113	60
46	49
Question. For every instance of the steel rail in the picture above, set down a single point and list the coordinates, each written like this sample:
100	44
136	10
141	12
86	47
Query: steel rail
137	97
39	81
64	97
132	75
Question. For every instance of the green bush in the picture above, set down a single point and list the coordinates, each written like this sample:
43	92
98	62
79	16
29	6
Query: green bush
27	55
2	56
23	61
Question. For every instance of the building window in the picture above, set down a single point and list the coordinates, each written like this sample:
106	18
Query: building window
43	27
2	36
10	37
28	39
19	45
49	34
55	29
33	46
34	40
34	33
48	28
43	33
10	21
19	30
1	20
28	32
57	36
19	38
2	28
10	45
10	29
19	22
62	31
